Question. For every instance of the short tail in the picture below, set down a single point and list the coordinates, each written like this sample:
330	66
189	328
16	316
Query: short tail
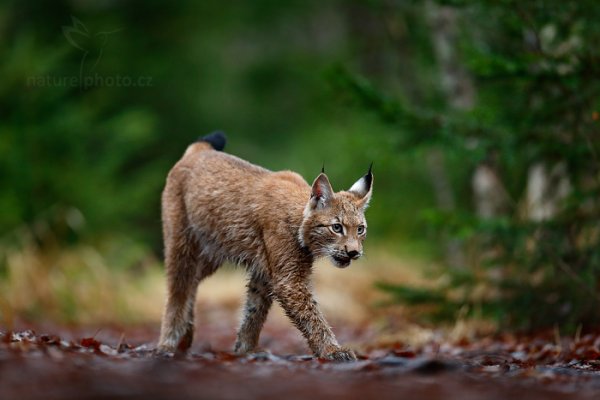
217	140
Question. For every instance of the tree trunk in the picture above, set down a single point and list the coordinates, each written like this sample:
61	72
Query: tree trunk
459	92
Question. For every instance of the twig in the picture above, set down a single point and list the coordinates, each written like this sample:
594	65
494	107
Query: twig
120	342
97	332
569	271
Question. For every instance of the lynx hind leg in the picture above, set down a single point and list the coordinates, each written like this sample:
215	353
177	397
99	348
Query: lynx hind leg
258	302
185	270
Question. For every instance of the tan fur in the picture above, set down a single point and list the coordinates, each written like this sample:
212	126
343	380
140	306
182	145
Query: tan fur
217	207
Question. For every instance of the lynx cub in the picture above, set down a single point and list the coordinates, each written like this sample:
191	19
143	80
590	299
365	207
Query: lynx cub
217	207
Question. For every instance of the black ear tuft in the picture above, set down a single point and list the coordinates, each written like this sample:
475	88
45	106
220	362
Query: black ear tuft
323	169
369	175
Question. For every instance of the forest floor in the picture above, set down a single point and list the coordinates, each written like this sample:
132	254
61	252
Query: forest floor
71	363
397	358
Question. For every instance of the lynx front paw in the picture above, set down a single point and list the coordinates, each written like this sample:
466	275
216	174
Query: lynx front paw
242	348
340	354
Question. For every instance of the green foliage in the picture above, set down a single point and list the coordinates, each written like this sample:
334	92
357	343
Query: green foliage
72	136
278	78
533	68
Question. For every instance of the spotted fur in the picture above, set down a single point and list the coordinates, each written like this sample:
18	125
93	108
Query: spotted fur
217	207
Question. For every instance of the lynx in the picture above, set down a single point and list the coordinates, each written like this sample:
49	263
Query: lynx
217	207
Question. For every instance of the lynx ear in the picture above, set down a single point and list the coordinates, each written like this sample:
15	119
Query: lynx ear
322	193
363	188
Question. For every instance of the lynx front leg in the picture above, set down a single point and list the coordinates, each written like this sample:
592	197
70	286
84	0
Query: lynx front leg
299	305
258	303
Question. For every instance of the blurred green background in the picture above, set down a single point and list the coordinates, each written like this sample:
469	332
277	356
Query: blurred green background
481	119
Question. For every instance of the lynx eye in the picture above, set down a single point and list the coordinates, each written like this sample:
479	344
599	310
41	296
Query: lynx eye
361	229
337	228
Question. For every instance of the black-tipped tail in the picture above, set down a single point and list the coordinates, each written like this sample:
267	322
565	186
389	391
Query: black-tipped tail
216	139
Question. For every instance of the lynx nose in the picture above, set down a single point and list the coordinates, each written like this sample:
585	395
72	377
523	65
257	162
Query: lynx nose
353	254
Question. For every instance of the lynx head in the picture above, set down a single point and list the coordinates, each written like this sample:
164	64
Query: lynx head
334	224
